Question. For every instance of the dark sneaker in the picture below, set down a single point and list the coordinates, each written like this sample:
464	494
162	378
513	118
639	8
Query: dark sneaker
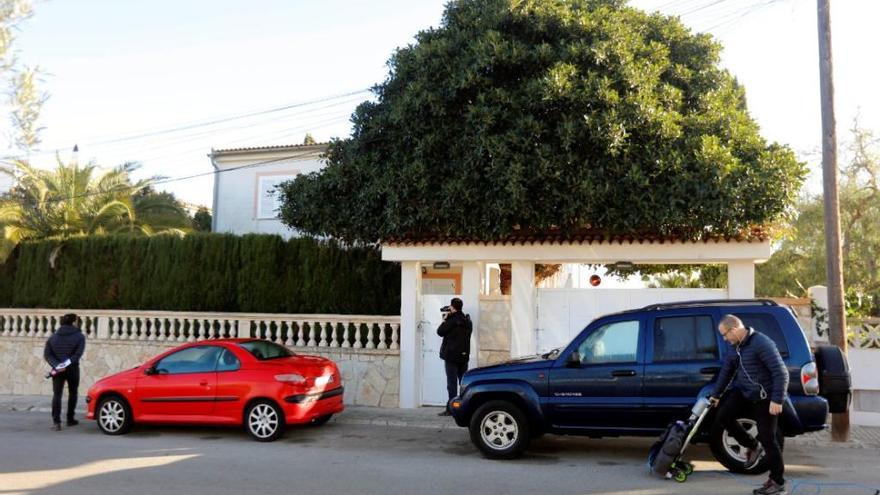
753	456
445	413
56	427
770	487
72	422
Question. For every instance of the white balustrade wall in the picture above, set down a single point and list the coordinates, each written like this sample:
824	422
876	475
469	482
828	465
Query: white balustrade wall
342	331
366	348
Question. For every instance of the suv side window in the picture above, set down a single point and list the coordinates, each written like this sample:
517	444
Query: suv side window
766	323
684	338
616	342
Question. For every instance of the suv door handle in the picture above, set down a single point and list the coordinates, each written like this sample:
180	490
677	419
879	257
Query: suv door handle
623	373
711	370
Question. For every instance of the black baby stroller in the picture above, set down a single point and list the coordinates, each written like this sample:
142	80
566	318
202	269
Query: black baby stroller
665	456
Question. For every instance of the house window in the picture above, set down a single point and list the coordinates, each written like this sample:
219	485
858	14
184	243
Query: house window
268	198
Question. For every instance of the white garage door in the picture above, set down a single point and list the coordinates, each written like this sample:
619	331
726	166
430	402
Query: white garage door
563	313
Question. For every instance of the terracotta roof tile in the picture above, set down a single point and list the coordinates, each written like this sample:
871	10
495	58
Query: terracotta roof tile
591	236
266	148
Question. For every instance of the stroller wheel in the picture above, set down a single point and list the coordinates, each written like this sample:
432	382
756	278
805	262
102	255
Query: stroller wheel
688	468
680	476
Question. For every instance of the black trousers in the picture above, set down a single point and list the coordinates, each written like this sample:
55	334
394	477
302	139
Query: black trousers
70	376
736	405
454	372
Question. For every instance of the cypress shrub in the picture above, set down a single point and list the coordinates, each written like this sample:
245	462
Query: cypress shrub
200	272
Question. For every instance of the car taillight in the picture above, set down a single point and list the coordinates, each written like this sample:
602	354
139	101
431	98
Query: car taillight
290	378
810	378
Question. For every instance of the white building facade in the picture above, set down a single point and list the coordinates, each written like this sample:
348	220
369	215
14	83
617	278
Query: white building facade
245	200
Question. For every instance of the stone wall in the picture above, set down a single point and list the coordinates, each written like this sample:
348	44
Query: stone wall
494	331
370	377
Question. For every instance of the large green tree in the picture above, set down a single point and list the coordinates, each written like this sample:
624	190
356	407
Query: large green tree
799	261
74	200
536	115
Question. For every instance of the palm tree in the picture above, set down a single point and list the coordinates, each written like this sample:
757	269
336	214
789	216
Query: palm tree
80	200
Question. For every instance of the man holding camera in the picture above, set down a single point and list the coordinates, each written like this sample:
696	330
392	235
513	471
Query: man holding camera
456	347
63	351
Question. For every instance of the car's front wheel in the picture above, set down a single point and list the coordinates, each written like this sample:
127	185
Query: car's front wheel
731	454
500	430
264	421
114	415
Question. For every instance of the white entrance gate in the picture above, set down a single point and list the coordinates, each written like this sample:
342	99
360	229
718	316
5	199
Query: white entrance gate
433	370
563	313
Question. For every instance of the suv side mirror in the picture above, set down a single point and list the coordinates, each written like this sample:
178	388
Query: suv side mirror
573	360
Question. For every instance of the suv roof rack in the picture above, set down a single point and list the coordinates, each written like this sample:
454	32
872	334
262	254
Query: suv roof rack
710	302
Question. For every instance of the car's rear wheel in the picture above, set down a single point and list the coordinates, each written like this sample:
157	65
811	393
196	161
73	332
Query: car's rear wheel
114	415
321	420
264	421
500	430
731	454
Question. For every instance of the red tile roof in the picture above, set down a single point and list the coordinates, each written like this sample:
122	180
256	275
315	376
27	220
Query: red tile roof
589	236
266	148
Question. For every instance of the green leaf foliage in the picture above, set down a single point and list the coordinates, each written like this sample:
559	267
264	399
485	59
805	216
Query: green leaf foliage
549	114
200	272
799	260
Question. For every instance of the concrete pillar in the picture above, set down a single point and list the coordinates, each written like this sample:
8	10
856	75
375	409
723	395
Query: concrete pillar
410	351
819	322
471	283
522	309
741	279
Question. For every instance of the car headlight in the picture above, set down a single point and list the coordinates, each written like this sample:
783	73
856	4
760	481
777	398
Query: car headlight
290	378
324	380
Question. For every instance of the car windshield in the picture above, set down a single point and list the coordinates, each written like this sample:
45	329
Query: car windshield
263	350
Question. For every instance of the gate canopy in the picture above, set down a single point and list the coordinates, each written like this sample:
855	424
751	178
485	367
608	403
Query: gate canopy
739	253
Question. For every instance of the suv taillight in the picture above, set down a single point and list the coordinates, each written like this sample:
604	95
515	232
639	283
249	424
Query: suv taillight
810	378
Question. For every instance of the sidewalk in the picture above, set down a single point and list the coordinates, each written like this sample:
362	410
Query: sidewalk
426	417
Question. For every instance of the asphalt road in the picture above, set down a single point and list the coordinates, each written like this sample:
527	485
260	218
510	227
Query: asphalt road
355	459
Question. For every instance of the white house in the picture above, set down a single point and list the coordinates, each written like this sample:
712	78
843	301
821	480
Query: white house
245	200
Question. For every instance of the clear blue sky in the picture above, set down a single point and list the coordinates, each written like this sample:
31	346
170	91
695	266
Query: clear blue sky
119	68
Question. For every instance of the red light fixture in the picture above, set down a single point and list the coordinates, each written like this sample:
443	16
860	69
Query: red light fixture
595	280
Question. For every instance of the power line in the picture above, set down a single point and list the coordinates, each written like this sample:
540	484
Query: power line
189	137
207	123
292	158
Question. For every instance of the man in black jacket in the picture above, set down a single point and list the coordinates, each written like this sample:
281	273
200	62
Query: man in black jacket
456	347
68	342
760	382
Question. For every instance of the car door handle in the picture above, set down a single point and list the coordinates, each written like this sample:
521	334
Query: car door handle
203	383
711	370
623	373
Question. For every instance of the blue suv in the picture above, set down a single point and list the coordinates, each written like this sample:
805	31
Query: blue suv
632	373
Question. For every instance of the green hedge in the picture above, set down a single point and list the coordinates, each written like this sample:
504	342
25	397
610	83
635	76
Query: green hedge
201	272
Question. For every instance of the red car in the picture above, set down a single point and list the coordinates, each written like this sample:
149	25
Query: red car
257	383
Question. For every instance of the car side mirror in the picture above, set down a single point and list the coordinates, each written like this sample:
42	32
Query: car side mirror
151	370
573	360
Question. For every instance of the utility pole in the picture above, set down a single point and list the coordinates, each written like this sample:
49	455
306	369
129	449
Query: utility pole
833	264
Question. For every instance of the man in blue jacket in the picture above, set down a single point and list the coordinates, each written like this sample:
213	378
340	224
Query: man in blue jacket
68	342
760	381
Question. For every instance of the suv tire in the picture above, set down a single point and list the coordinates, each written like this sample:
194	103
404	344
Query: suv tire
727	450
500	430
835	383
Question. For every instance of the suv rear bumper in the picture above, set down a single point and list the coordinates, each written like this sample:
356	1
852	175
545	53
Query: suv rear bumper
812	413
